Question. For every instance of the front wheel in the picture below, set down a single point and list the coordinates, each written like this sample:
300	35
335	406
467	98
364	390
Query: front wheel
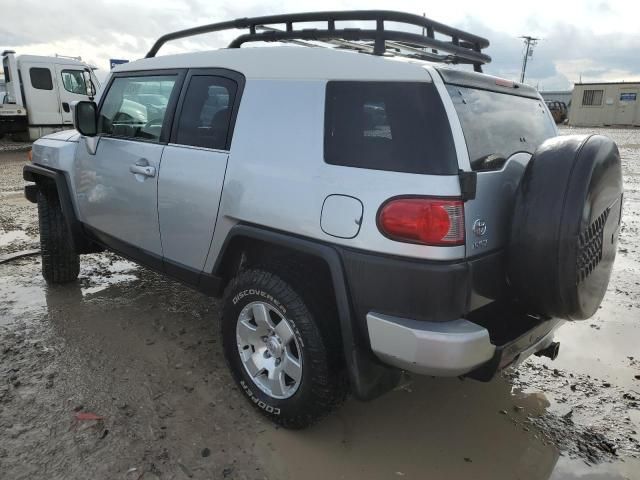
277	352
60	262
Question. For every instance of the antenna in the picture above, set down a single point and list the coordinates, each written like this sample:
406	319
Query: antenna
529	42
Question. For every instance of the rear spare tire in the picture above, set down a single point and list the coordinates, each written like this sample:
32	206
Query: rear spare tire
565	225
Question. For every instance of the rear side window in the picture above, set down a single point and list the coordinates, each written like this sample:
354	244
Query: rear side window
497	125
396	126
206	112
135	107
41	78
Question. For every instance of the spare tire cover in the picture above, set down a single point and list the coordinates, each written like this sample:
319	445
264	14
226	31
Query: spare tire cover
565	224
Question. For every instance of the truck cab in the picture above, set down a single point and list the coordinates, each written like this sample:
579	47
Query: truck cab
39	92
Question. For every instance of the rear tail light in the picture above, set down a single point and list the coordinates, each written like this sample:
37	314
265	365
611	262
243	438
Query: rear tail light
429	221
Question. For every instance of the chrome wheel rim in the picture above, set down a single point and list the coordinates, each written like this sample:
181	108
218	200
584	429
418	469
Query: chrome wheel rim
269	350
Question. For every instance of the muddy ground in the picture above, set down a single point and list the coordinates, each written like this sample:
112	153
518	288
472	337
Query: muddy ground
141	353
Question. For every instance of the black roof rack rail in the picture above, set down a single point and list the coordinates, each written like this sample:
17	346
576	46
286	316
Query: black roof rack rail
459	47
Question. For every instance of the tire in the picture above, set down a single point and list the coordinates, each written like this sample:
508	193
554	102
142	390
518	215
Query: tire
60	262
565	226
322	383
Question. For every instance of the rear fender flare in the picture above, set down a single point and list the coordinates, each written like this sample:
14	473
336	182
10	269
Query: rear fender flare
369	378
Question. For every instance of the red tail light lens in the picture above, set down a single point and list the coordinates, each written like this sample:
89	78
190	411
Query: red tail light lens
430	221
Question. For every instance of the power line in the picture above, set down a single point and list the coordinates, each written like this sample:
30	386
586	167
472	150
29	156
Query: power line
529	42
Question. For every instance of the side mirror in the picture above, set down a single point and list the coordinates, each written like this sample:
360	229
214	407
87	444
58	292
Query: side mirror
85	118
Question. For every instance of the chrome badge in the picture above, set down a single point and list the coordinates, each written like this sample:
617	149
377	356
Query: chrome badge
480	227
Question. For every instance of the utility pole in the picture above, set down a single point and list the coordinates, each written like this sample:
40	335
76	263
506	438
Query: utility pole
529	42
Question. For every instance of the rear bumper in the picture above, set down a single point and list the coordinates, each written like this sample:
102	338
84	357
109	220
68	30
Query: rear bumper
453	348
421	289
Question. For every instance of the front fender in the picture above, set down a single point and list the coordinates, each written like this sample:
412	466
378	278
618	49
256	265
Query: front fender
45	177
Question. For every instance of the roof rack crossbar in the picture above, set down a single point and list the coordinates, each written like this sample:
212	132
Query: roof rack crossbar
392	48
463	47
465	55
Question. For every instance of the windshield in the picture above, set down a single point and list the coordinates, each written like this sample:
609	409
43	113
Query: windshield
497	125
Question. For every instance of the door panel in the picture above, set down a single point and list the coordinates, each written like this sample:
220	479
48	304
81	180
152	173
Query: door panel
193	168
626	106
189	189
116	200
41	93
117	187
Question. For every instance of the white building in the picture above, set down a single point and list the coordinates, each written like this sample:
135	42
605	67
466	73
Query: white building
604	104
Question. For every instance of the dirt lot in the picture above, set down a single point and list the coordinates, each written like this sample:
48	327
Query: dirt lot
142	353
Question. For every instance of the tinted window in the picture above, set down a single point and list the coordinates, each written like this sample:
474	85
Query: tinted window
41	78
135	107
206	112
497	125
398	126
74	82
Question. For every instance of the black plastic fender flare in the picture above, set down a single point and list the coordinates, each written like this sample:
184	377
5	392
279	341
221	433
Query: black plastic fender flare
39	175
369	378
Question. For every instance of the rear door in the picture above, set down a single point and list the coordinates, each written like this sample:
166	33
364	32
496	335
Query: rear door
41	93
117	188
193	168
502	130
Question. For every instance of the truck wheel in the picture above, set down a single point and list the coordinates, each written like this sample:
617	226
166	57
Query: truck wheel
565	226
276	350
60	262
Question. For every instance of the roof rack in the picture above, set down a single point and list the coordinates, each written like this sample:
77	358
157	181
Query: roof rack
458	47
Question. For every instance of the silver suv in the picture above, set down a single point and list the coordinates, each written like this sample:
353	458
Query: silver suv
361	206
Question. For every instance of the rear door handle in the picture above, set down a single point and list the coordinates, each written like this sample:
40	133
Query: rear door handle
145	170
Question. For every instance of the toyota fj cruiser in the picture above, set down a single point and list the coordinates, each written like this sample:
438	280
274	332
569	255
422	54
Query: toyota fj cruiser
362	208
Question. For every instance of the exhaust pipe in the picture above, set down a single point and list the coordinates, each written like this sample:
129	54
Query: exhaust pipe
550	352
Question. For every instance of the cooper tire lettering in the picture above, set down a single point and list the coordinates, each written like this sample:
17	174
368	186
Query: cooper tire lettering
263	405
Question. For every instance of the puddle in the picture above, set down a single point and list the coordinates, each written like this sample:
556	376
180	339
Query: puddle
105	271
19	295
435	428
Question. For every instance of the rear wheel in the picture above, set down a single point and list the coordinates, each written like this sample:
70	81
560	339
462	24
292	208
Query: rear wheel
276	349
60	262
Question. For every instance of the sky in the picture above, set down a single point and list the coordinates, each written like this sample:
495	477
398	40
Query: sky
586	40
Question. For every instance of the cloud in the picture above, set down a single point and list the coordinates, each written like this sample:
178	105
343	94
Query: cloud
571	45
564	53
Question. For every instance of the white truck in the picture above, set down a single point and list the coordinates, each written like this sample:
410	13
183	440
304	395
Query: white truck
39	92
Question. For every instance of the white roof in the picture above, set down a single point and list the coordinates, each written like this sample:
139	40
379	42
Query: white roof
291	62
54	60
